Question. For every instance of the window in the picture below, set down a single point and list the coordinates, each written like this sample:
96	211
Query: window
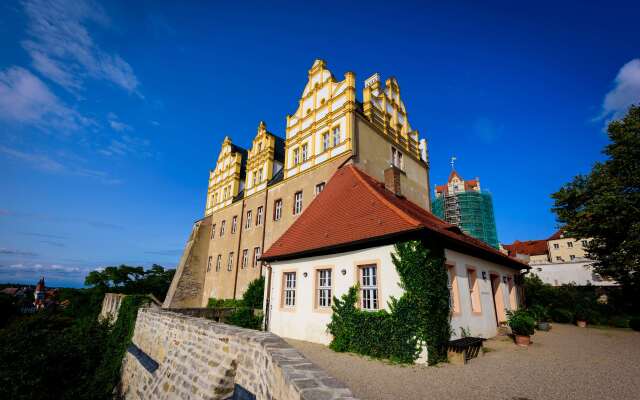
556	246
454	300
336	135
230	262
218	262
325	141
305	152
570	244
256	256
297	203
558	258
324	287
255	178
234	224
474	290
247	223
277	210
289	289
296	156
319	188
572	257
259	214
584	243
222	226
245	258
213	231
368	287
259	173
396	157
209	264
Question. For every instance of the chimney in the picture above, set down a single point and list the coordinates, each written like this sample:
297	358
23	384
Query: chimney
392	180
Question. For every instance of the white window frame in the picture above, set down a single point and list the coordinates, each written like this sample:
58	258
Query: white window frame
335	136
569	244
259	215
223	225
326	141
296	156
209	263
218	262
247	223
213	231
369	296
256	255
230	262
323	296
320	187
289	289
245	258
305	152
277	210
297	203
234	224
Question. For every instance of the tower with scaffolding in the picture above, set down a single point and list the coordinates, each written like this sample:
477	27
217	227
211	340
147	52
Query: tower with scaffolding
462	203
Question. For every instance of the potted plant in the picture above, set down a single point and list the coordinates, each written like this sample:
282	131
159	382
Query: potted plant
582	314
522	326
541	314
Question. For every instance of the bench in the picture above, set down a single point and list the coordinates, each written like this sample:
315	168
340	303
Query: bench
464	348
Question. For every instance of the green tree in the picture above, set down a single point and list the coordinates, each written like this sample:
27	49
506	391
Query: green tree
605	205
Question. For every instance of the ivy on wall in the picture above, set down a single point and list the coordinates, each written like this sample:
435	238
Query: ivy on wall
420	316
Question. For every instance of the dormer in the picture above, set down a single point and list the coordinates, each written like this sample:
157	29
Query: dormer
264	160
226	180
322	125
383	106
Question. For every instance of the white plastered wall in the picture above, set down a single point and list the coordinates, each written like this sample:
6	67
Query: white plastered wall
307	322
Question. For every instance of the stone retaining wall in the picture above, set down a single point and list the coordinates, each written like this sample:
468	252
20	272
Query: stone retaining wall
203	359
110	306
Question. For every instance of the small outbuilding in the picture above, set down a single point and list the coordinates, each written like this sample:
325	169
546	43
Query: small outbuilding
346	236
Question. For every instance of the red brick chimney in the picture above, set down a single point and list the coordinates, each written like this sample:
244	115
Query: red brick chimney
392	180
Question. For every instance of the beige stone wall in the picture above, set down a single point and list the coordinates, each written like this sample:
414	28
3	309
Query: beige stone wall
110	306
202	359
566	247
374	156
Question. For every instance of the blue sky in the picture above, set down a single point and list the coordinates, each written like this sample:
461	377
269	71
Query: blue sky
112	114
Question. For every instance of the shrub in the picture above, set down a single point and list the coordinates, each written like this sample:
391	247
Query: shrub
225	303
562	315
244	317
254	294
521	322
634	323
539	312
420	316
583	312
619	322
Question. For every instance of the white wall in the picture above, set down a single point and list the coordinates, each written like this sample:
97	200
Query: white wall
307	322
579	273
481	324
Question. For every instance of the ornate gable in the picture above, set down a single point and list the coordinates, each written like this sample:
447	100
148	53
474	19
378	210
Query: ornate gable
263	161
226	180
384	107
324	108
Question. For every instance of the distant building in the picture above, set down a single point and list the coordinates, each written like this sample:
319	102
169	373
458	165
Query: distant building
463	204
40	294
558	260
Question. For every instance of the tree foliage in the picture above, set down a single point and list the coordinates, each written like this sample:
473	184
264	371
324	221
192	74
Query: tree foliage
420	316
605	205
132	280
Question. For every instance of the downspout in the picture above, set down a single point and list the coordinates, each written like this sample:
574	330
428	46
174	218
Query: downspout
240	227
267	300
264	224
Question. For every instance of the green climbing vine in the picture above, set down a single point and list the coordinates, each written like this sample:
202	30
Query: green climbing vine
420	316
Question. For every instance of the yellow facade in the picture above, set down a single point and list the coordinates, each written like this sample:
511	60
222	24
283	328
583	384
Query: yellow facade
257	194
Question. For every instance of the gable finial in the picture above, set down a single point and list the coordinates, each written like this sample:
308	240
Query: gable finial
452	162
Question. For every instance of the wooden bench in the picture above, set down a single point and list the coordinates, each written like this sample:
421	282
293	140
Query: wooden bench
460	351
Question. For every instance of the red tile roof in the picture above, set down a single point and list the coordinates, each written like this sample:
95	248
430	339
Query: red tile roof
355	209
529	247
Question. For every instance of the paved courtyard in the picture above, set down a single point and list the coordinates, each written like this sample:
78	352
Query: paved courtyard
566	363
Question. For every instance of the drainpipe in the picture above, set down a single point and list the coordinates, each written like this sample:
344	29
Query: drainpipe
264	224
267	300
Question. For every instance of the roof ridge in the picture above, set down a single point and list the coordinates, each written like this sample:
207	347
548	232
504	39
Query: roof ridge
401	213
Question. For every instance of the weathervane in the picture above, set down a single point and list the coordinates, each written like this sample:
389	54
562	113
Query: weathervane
452	162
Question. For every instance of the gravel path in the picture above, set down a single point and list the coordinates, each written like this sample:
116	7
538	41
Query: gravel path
566	363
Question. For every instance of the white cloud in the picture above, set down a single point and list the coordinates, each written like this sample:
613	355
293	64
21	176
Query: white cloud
625	93
116	124
63	50
41	268
24	98
46	163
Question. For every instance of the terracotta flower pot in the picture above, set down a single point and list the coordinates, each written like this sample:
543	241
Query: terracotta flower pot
582	324
523	340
